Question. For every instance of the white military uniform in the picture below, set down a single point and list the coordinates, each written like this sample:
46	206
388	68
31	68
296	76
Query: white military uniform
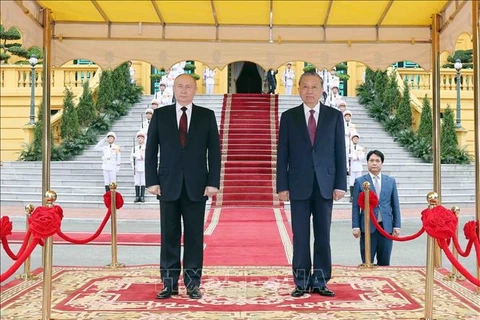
209	78
288	76
357	158
163	97
137	160
131	71
111	160
349	130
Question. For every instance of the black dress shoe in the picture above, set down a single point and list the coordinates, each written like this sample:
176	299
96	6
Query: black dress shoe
167	292
299	291
324	291
194	293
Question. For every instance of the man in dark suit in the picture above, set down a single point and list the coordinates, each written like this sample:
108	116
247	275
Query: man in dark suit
311	173
272	80
387	211
188	173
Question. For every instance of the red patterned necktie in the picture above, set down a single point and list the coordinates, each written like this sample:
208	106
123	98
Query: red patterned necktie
312	126
182	127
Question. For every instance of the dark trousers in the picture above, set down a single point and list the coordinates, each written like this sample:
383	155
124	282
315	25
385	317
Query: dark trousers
271	88
171	214
380	247
321	210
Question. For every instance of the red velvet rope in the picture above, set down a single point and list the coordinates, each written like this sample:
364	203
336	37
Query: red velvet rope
391	237
468	249
5	227
45	222
373	204
9	251
439	222
107	199
443	244
470	230
91	238
7	274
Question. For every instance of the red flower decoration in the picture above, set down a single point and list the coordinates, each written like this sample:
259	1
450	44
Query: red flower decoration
470	229
5	227
373	200
45	222
440	223
107	199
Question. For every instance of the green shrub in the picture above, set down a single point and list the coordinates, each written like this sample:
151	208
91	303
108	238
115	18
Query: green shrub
426	122
69	127
86	107
376	95
404	111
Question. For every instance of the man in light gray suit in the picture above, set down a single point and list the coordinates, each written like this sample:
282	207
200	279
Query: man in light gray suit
387	212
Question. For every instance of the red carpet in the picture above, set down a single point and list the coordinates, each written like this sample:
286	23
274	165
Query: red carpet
248	134
249	237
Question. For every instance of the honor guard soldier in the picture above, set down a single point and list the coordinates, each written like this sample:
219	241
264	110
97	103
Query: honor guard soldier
288	76
349	129
137	160
146	122
111	158
209	79
357	158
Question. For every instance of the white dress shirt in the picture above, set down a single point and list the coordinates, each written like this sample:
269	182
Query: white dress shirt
179	107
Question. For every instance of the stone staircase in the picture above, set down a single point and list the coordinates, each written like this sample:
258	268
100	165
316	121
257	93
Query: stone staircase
79	183
414	177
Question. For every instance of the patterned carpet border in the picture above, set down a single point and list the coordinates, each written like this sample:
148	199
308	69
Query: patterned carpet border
239	293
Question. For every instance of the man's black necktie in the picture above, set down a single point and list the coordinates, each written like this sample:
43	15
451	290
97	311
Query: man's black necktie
182	127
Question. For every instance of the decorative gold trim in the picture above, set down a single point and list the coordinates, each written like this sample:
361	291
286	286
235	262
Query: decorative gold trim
224	147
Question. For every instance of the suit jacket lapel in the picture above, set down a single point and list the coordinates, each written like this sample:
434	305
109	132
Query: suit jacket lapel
302	124
173	123
321	123
194	122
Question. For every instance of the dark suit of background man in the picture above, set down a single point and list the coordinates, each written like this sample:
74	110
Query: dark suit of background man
272	81
188	173
311	173
387	211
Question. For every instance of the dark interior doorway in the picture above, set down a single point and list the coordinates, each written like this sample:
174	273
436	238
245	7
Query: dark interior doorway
249	80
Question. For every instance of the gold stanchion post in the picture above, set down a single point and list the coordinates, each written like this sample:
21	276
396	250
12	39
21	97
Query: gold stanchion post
50	197
455	275
113	224
366	216
432	199
27	274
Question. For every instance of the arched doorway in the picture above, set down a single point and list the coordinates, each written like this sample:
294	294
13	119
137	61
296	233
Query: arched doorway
249	79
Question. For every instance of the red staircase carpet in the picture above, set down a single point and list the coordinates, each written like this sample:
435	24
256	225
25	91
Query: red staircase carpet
248	137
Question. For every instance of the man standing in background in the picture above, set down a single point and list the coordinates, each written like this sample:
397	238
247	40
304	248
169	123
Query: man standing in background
387	211
288	76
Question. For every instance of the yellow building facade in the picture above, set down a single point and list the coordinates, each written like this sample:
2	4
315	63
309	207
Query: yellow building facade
16	85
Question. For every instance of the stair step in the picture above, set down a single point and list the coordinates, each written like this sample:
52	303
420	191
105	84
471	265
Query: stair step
249	162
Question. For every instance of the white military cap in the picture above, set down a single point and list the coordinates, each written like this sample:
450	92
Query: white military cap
111	133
